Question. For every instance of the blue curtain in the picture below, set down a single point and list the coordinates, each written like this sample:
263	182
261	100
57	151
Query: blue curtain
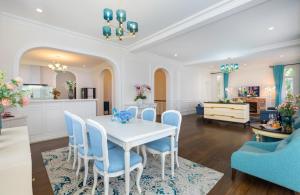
225	78
278	71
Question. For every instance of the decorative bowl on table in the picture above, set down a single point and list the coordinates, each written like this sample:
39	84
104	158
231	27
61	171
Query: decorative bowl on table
271	127
122	116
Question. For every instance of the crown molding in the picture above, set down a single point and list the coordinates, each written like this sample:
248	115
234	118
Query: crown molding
250	51
63	30
208	15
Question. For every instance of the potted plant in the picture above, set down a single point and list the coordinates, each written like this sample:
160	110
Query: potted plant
287	111
71	86
141	91
11	94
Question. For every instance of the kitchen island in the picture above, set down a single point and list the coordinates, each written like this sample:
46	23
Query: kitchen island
232	112
45	118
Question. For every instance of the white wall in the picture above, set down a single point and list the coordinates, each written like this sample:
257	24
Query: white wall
17	35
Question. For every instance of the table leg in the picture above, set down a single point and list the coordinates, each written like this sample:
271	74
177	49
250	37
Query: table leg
127	171
172	155
257	137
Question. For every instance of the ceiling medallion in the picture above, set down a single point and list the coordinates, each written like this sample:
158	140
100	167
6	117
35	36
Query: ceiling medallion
120	32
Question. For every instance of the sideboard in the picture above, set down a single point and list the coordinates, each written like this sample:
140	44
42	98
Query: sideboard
15	163
232	112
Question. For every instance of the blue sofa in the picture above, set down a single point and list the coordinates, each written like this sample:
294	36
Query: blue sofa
277	162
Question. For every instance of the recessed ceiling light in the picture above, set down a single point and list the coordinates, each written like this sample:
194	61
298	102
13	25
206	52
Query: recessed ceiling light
175	54
281	56
39	10
245	64
271	28
83	65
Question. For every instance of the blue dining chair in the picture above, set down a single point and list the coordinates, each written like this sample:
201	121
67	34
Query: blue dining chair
83	147
163	146
149	114
110	162
69	126
133	110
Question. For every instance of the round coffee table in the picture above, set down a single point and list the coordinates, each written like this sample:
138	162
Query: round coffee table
260	131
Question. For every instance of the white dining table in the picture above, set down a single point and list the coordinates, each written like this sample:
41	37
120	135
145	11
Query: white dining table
135	133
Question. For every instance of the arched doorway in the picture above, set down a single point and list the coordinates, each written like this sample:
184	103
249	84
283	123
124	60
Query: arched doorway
61	83
107	91
160	90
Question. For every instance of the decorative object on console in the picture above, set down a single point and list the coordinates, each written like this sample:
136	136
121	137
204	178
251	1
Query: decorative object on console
11	94
55	93
141	91
71	85
120	31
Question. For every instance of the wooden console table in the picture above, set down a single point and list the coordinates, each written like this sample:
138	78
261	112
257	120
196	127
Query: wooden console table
238	113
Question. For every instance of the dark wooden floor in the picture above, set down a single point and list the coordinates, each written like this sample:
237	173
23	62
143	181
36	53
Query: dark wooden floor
210	144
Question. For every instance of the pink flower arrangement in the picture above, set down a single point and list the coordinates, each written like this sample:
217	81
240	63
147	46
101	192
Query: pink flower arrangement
141	90
11	93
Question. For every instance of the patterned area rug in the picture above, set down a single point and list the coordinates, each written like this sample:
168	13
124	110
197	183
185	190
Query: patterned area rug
190	179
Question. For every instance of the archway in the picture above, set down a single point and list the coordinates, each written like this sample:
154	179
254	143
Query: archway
161	90
106	82
109	62
61	83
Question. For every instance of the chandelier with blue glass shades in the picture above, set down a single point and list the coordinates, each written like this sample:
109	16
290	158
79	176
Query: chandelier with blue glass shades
227	68
119	30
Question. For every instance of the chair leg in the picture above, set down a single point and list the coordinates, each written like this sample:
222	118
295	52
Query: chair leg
86	170
138	149
177	161
138	178
162	158
233	173
69	154
144	155
78	166
95	180
75	157
106	184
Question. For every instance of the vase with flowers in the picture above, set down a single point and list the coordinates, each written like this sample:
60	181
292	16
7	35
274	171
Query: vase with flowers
287	110
11	94
71	87
141	93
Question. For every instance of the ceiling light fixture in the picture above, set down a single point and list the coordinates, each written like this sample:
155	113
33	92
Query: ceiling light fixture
39	10
271	28
120	31
175	54
281	56
57	67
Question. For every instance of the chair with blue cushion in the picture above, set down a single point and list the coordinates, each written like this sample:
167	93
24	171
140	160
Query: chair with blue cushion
83	147
149	114
133	110
110	162
69	126
277	162
163	146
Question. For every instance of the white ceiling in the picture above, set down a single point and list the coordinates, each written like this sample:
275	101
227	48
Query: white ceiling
238	34
214	30
45	56
86	16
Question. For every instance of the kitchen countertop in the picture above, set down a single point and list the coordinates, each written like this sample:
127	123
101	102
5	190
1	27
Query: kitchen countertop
61	100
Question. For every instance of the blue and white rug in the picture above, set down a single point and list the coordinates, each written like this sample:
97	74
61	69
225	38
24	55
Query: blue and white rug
190	178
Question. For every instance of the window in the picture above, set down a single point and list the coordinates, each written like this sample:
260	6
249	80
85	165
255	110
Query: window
289	75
